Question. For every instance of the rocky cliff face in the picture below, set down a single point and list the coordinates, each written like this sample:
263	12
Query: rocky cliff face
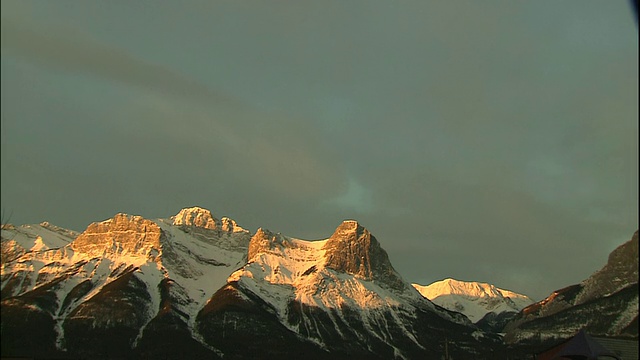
604	304
353	250
121	235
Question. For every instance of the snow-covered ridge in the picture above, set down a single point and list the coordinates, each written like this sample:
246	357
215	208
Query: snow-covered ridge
474	299
41	236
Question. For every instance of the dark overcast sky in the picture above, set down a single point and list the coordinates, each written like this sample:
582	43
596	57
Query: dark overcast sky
491	141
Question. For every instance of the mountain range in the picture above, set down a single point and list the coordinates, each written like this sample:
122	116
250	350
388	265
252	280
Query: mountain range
194	286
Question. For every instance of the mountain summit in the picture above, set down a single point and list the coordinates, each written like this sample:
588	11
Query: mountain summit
202	218
353	250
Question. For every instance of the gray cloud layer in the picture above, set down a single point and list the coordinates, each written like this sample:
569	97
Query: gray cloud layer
485	142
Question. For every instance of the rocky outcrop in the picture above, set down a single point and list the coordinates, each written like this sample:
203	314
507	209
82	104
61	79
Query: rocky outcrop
265	241
229	225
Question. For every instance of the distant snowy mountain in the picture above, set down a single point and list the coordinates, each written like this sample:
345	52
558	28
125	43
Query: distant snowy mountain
473	299
193	286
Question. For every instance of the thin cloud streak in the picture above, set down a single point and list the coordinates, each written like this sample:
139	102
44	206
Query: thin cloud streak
274	149
68	50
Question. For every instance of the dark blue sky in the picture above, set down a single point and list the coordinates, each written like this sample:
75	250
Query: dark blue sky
492	141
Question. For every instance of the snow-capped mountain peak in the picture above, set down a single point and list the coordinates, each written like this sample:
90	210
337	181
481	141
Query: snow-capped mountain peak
474	299
470	288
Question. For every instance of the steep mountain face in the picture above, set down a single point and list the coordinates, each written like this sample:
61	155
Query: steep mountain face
484	304
353	250
193	286
604	304
123	235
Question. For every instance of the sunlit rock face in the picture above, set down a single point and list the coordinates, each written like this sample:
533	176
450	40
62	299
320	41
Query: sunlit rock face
353	250
122	235
263	241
